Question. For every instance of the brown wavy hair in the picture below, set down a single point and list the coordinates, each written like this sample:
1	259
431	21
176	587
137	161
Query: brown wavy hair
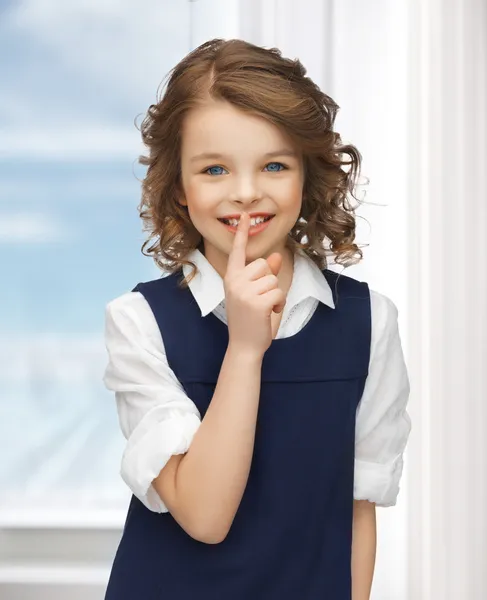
262	82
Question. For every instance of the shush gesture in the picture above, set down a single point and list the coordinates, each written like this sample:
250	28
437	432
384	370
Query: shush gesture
251	294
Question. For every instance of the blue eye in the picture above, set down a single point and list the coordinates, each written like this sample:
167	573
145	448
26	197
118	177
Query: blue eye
273	167
274	164
211	170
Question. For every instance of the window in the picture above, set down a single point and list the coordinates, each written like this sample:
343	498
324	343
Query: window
74	77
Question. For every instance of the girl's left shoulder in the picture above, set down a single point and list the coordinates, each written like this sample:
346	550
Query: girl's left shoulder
384	313
383	302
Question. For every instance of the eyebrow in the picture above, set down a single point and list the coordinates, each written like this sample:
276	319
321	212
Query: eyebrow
216	155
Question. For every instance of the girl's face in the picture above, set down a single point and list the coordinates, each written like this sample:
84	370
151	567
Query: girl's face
233	162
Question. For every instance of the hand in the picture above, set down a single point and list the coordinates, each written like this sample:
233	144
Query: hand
252	294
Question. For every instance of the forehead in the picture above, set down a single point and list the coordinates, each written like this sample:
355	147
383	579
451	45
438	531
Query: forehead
218	126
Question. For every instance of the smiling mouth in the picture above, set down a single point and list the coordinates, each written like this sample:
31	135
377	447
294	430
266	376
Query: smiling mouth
253	221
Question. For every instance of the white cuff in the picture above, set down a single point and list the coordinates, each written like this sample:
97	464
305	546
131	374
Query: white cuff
378	483
148	451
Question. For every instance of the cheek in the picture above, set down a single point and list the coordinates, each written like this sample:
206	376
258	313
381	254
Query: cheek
292	194
190	190
200	204
199	196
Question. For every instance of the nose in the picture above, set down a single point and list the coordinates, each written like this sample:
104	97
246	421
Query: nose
246	191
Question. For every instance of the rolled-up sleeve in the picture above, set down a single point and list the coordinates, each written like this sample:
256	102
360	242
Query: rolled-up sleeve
382	423
156	416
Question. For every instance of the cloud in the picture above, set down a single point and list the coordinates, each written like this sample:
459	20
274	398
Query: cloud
54	358
66	144
78	185
76	74
31	228
96	55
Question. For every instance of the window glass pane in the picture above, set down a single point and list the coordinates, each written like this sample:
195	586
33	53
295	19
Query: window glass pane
74	77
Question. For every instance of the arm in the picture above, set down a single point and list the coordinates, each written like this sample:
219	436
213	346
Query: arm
382	430
382	423
207	485
196	470
364	542
201	484
203	488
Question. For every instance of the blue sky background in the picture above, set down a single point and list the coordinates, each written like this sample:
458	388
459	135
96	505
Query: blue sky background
71	238
75	75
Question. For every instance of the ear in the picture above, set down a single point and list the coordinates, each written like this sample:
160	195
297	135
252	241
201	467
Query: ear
182	200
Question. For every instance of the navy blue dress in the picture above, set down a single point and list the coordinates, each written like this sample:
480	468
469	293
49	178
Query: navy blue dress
292	534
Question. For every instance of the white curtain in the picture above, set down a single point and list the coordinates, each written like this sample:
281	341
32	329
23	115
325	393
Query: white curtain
448	299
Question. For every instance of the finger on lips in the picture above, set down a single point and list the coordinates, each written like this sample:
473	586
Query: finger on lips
236	259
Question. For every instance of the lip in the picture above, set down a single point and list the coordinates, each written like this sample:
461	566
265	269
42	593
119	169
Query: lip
251	215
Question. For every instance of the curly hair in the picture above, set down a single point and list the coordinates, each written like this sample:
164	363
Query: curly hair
262	82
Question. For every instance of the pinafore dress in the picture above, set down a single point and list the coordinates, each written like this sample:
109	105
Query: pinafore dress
292	534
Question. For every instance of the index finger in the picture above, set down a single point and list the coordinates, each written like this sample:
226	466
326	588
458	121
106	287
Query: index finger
236	258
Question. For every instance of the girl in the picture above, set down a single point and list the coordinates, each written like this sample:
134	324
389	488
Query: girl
262	395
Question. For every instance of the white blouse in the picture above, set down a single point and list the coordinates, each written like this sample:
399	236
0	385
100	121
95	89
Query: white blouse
159	420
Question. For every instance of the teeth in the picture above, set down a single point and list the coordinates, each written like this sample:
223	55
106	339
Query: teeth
253	222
